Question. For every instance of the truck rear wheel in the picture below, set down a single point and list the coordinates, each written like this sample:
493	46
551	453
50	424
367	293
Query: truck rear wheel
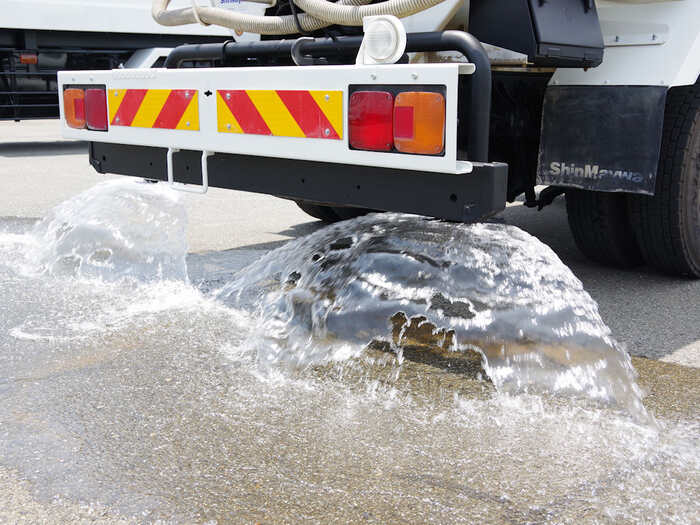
667	225
348	212
601	228
318	211
331	213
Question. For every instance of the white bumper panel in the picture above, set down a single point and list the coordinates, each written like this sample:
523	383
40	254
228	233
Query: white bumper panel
207	82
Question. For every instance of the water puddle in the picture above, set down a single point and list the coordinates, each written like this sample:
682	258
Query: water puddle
382	369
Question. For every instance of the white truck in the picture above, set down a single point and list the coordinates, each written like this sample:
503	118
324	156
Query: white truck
396	105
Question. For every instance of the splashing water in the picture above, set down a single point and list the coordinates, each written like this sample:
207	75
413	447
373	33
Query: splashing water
410	281
123	383
118	236
402	280
114	231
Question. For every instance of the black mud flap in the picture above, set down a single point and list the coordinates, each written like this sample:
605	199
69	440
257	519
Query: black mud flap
602	138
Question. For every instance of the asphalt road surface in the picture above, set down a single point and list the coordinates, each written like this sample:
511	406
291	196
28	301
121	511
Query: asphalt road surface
125	427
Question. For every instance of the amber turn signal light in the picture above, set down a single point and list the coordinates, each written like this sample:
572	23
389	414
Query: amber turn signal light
74	107
28	58
419	122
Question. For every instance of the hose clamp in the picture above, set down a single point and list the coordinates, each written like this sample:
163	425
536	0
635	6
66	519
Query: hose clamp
195	12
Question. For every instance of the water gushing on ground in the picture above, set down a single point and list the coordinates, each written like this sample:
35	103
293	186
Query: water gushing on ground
404	280
113	234
341	377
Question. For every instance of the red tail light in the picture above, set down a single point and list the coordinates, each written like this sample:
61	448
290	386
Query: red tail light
74	107
96	109
370	115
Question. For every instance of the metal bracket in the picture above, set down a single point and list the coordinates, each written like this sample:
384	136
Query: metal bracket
181	186
297	56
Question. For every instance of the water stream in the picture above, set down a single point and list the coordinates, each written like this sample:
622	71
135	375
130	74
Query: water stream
389	368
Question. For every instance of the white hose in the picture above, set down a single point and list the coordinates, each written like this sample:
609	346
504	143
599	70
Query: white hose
263	25
352	15
319	14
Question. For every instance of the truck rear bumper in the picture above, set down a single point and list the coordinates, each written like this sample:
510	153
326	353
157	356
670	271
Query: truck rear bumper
457	197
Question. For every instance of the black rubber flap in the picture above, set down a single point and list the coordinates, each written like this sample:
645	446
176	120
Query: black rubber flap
604	138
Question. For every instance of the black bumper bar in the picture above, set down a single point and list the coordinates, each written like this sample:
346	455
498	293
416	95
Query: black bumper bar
464	198
479	104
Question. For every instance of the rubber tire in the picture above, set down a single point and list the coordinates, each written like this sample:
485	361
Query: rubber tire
600	225
347	212
331	213
667	225
318	211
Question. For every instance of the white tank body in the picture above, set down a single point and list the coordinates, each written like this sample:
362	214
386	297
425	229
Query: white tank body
117	16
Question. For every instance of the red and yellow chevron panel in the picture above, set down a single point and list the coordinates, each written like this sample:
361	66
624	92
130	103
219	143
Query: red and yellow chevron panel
154	108
282	113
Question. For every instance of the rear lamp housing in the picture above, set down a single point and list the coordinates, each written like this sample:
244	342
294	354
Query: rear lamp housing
85	107
398	119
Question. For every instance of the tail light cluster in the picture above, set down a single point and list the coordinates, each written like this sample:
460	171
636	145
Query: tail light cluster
397	121
86	107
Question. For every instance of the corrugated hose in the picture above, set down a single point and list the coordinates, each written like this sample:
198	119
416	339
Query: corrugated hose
318	14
